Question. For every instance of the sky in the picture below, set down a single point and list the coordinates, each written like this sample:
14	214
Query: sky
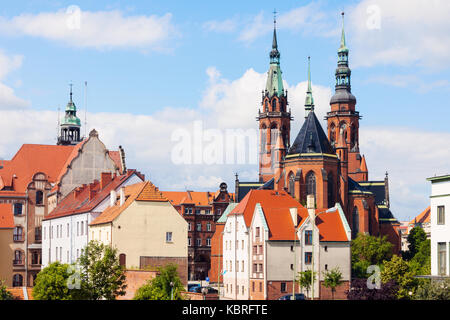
157	70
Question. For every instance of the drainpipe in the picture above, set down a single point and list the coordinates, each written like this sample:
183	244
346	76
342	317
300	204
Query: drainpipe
26	243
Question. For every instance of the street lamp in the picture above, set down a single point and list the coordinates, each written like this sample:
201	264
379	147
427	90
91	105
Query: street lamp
171	290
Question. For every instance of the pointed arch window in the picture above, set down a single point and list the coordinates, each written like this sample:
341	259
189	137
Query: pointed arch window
355	224
311	184
274	105
292	184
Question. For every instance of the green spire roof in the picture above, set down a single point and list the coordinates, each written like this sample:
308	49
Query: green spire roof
309	101
70	117
274	83
343	47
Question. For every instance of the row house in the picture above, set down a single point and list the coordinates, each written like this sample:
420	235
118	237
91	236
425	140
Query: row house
145	229
65	229
440	225
35	180
201	210
268	238
6	234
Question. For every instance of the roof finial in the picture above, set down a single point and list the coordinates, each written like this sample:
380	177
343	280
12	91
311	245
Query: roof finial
71	85
309	101
274	42
343	33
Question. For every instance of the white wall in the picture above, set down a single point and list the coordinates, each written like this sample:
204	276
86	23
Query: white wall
440	196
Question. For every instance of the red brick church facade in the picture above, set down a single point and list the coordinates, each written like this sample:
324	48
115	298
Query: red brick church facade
328	165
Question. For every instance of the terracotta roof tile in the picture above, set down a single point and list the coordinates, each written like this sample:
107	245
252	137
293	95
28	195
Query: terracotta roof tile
86	197
424	217
143	191
19	293
6	216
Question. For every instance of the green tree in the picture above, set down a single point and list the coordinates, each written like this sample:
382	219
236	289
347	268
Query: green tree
332	279
398	270
368	250
415	237
52	283
102	276
160	287
434	290
304	279
4	293
421	262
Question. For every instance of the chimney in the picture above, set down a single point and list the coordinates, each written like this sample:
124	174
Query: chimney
122	196
92	191
112	198
105	178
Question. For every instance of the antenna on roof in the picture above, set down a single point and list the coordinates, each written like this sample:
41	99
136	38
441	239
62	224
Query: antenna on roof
85	108
57	128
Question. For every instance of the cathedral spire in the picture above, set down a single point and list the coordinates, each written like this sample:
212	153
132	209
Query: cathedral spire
274	85
309	101
343	47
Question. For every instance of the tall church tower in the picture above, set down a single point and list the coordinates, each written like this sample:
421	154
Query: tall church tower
274	118
343	119
70	126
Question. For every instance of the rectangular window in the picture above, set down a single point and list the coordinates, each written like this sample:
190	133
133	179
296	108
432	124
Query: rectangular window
17	209
78	228
260	287
242	265
242	244
208	226
257	232
442	259
82	227
283	287
440	215
199	242
168	236
308	237
243	290
253	286
260	249
255	250
208	242
189	226
189	241
197	211
199	227
255	268
308	257
67	230
207	211
260	267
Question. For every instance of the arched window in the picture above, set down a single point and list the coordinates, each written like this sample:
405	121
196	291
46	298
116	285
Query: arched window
353	141
39	197
311	184
274	105
333	134
355	224
331	198
266	106
292	184
343	131
17	280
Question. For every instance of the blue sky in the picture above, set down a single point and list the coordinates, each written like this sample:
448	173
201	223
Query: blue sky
167	63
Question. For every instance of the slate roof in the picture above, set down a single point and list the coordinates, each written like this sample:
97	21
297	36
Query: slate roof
311	138
245	187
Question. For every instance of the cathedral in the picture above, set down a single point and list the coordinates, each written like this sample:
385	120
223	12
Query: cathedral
327	164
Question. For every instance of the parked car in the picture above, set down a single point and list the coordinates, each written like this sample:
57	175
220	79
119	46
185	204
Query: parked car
298	296
193	287
209	290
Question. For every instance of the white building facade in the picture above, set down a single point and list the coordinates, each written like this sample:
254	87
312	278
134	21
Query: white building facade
65	237
440	225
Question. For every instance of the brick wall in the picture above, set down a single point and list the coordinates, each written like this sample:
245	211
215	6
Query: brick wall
154	262
274	289
339	294
135	280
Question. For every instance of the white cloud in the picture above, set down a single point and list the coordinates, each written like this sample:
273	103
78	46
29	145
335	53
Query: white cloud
401	32
99	30
224	26
8	99
409	155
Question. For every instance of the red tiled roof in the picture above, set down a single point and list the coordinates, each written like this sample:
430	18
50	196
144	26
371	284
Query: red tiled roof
87	197
276	205
197	198
143	191
6	216
19	294
48	159
424	217
115	157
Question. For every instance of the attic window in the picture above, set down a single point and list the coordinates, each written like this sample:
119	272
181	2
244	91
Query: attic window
39	197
